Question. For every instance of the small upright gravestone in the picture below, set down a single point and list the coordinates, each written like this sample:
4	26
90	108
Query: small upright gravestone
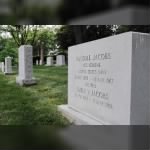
8	65
60	60
40	62
25	66
49	61
109	81
3	67
37	62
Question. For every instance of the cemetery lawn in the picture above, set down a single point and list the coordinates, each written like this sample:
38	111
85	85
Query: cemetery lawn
34	105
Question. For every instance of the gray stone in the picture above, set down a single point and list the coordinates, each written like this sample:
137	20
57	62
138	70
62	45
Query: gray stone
109	81
49	61
60	60
25	76
41	62
37	62
8	65
3	67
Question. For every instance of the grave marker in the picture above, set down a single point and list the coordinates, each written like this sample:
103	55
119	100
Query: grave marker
60	60
49	61
37	62
25	76
109	81
3	67
8	65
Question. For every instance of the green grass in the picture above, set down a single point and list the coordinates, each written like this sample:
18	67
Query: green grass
34	105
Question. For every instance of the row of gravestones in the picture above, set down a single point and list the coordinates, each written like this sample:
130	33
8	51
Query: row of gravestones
60	61
25	66
108	80
6	67
25	76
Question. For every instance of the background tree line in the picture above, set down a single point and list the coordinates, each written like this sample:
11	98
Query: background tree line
54	40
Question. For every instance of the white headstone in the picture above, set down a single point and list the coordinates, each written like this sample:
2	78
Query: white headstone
8	65
40	62
37	62
49	61
109	81
60	60
3	67
25	66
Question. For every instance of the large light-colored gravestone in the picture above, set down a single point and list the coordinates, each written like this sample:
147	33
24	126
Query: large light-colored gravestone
3	67
109	81
8	65
49	61
25	76
60	60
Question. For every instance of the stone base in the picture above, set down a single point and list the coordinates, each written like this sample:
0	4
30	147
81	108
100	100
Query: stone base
49	65
77	117
57	65
23	82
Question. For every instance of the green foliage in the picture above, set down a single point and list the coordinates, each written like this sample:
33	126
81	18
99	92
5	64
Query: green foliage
8	48
71	35
136	28
20	33
65	37
94	32
46	38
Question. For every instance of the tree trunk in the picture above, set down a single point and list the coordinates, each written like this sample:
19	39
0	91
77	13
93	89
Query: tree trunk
42	56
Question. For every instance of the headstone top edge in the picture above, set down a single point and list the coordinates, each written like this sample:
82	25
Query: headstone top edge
60	55
112	36
26	46
8	57
140	33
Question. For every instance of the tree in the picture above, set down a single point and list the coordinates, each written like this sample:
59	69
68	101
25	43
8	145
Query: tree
8	48
136	28
20	33
65	37
45	42
71	35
